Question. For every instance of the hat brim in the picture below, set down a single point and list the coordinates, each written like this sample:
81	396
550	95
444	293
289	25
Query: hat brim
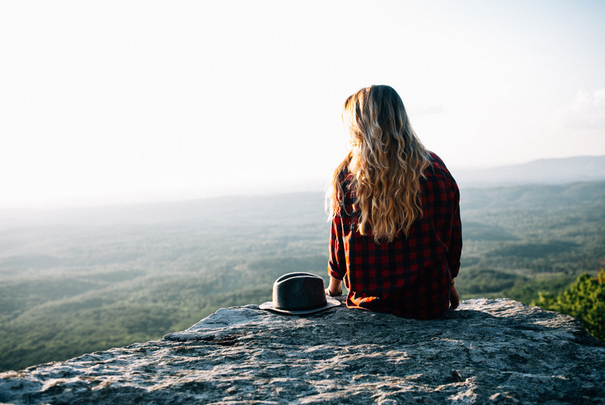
331	303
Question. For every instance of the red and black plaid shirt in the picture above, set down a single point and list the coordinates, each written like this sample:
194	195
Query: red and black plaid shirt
411	276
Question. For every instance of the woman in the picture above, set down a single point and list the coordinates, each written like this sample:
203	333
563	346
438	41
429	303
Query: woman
396	235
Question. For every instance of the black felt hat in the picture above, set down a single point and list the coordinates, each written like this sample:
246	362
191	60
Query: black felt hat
299	294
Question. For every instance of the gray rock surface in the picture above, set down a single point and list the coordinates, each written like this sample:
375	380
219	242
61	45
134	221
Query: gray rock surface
488	351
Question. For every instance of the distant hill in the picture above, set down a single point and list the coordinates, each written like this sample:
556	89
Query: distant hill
574	196
543	171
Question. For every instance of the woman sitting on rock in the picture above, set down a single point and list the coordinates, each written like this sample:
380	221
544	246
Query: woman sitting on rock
396	235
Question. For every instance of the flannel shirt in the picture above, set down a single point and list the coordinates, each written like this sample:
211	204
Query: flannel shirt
410	276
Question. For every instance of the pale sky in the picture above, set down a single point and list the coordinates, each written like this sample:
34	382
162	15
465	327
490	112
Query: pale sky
121	101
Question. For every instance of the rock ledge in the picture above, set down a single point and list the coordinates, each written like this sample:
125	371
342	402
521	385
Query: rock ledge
489	351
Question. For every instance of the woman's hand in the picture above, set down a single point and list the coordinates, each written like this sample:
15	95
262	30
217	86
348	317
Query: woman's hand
335	287
454	298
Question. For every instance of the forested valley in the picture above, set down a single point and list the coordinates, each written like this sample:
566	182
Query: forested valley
81	280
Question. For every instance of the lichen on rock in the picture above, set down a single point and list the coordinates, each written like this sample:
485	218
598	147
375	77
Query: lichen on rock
488	351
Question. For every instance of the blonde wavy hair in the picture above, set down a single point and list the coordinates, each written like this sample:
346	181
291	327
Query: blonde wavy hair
386	161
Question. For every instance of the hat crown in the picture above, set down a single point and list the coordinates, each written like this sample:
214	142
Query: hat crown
299	291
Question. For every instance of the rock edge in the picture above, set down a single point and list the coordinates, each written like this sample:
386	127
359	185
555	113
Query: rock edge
488	351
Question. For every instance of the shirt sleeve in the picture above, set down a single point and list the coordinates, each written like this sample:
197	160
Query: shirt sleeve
455	248
337	267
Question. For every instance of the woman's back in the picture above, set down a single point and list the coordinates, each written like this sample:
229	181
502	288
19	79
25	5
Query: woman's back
411	275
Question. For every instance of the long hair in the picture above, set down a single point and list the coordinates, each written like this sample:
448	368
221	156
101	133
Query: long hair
386	162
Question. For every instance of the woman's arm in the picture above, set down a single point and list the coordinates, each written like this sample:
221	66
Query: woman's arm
454	297
335	287
336	261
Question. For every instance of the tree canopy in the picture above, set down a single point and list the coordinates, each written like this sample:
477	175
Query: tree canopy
584	299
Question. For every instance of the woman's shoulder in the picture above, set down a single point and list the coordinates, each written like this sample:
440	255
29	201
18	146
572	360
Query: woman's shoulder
436	160
438	169
437	163
345	177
